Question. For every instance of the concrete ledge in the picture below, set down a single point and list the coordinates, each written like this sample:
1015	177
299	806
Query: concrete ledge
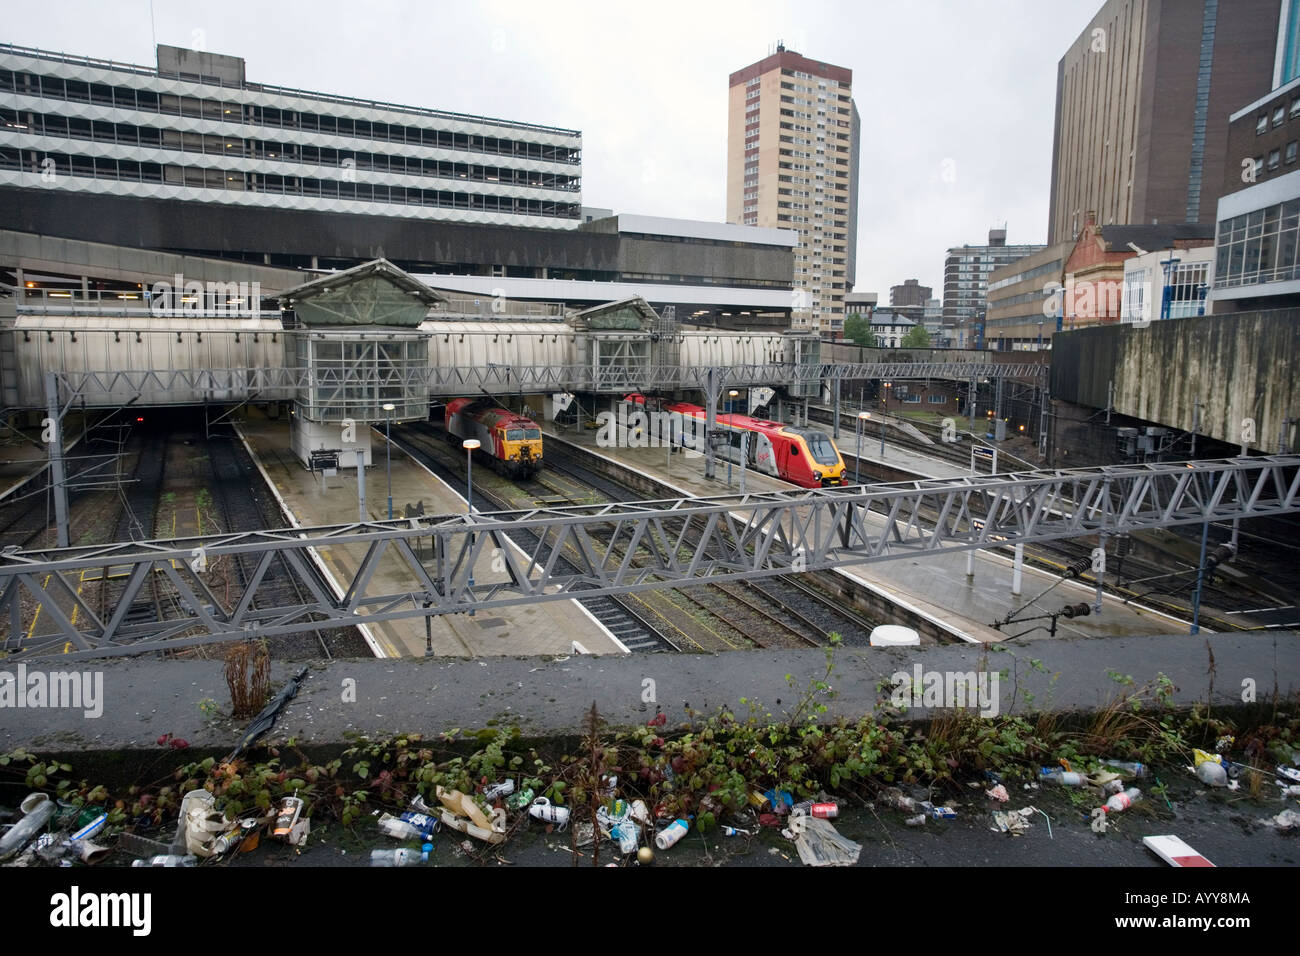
144	699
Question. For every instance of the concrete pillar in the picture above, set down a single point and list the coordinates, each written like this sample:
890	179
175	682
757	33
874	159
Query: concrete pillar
712	391
835	428
361	486
1017	568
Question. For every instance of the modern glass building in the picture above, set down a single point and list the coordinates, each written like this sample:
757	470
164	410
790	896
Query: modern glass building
194	128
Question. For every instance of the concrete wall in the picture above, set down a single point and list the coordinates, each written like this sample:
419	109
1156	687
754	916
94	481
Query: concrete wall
1238	366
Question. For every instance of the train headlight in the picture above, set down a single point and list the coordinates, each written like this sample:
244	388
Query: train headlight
817	475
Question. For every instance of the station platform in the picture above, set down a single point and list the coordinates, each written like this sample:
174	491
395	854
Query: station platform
550	627
936	588
23	454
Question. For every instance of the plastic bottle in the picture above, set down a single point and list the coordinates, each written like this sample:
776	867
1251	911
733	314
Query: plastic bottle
1130	767
395	858
628	836
1064	778
893	797
26	828
734	831
168	859
400	828
1122	801
671	833
425	851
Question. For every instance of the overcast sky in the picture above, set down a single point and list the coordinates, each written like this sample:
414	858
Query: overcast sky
956	96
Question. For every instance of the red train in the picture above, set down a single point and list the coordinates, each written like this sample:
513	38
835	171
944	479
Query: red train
803	456
511	444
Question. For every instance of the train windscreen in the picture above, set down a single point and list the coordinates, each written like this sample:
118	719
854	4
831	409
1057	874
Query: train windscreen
519	434
819	446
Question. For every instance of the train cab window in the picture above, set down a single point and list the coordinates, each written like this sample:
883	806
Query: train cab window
514	434
819	446
533	433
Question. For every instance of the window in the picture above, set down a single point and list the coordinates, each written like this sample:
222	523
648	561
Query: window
1279	114
1261	124
1290	152
937	399
1274	157
1295	107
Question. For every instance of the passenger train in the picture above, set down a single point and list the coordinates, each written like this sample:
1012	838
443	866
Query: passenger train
801	455
511	443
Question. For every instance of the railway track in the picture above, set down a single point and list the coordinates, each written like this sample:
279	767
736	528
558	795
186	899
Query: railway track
629	617
733	616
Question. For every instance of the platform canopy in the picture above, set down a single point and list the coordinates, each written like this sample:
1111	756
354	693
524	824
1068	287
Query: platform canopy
375	294
632	315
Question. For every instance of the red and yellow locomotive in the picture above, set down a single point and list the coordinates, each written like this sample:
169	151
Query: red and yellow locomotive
512	444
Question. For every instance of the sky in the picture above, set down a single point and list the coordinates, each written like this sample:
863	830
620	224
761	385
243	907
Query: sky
956	96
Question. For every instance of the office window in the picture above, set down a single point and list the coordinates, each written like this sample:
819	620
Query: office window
1295	107
1279	114
1261	124
1274	158
1290	155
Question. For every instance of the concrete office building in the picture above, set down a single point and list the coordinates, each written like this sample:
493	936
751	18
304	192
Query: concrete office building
113	175
1024	300
966	271
911	292
1140	96
195	129
1257	245
792	163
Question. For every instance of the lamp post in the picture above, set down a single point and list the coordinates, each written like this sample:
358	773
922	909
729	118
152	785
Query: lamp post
731	398
1170	266
388	452
470	444
863	418
885	392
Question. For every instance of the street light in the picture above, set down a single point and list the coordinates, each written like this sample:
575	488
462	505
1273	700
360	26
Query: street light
470	444
388	452
886	394
863	418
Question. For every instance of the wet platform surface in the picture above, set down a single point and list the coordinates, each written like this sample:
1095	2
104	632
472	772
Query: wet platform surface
546	628
937	586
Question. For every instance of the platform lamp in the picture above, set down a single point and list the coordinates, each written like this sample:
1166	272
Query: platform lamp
470	445
731	403
863	418
885	390
388	452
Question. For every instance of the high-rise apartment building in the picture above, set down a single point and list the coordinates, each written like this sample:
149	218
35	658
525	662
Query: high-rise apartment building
792	163
195	129
965	285
911	292
1141	98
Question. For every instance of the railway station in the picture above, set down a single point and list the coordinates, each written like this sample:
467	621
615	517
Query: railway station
351	400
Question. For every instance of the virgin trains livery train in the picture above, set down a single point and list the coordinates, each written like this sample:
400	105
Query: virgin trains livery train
804	456
511	443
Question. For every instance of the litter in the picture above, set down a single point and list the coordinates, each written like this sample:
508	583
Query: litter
820	844
395	858
998	793
916	821
37	810
137	845
1285	820
542	809
168	859
1122	801
463	814
268	715
1129	768
1064	778
668	836
1174	851
894	798
1014	822
1288	773
1211	774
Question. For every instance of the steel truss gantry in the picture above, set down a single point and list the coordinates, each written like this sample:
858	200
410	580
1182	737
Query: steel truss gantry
609	548
195	386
